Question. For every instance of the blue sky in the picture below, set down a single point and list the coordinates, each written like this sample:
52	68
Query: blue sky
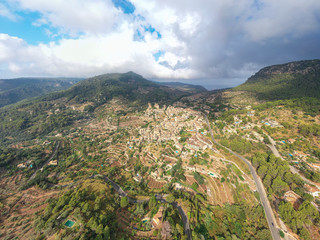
215	43
23	28
25	25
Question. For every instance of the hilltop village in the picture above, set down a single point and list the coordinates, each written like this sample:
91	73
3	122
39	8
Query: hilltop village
166	140
165	154
170	147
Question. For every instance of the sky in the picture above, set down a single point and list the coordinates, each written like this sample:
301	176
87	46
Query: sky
215	43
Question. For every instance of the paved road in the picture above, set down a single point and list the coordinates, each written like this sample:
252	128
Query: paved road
292	168
159	197
46	162
263	196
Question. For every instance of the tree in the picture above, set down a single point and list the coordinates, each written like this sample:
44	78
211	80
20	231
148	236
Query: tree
170	198
279	186
100	229
264	234
266	140
267	180
308	211
281	234
286	211
97	204
262	170
304	234
106	232
198	177
124	202
194	186
152	202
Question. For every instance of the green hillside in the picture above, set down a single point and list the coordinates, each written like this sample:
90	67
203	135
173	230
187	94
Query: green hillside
42	115
17	89
130	86
286	81
184	87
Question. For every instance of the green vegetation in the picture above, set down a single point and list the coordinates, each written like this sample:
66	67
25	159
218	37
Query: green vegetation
13	155
33	119
276	174
184	87
237	222
184	135
309	130
306	215
38	117
130	86
308	105
238	144
285	81
197	176
14	90
124	202
90	205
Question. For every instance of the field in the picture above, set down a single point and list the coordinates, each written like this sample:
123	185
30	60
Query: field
154	183
20	207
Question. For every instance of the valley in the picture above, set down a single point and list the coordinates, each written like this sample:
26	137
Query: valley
120	157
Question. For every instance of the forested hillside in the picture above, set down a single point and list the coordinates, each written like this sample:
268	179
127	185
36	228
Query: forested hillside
15	90
54	111
285	81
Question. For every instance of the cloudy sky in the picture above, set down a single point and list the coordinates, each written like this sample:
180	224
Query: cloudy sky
216	43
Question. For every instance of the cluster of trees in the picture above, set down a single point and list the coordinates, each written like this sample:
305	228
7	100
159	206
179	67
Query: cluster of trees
184	135
309	130
235	222
101	89
238	144
36	118
307	104
177	171
172	215
13	155
276	174
306	215
201	158
91	206
310	174
302	80
8	155
228	116
197	176
14	90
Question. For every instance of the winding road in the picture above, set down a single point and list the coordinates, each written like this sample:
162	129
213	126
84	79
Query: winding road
159	197
263	196
275	151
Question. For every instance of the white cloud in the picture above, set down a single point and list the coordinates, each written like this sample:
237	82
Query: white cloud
5	12
74	16
211	39
280	18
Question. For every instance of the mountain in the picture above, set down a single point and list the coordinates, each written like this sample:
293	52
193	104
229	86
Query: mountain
285	81
17	89
184	87
57	110
130	86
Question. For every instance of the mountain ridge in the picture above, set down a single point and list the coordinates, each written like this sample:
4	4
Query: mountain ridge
17	89
55	111
285	81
